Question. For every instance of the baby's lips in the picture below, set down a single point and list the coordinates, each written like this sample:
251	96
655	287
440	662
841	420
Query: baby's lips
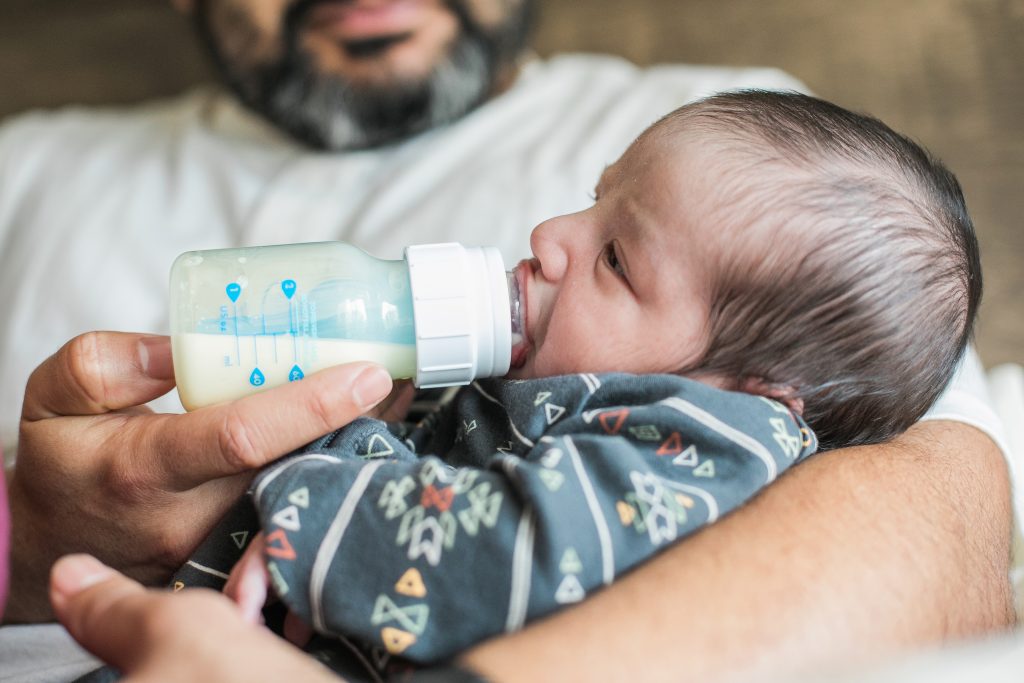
519	352
521	342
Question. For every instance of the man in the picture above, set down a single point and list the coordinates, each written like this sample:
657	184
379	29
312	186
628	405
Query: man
385	123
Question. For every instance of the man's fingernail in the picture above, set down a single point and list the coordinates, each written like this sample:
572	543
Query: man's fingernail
155	357
371	386
74	573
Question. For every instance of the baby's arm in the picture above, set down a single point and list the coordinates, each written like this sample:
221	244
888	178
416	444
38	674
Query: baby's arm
248	581
247	586
427	559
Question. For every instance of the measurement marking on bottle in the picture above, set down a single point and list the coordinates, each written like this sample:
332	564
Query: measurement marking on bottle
293	330
238	341
234	290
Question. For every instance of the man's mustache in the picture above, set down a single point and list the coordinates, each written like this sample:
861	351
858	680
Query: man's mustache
298	10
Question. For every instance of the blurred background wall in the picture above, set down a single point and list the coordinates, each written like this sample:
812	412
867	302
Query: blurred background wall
950	73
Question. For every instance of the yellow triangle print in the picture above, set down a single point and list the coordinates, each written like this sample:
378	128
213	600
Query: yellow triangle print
178	585
626	512
395	640
684	500
411	584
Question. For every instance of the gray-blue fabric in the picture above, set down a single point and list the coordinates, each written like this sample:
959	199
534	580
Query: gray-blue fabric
515	499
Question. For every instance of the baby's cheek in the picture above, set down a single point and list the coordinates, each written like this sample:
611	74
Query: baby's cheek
642	351
590	354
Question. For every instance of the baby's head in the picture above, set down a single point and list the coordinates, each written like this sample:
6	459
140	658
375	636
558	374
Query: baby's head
771	243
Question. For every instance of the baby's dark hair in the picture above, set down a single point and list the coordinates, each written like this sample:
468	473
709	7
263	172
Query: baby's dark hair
864	292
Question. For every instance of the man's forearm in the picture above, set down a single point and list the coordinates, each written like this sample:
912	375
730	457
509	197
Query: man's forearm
856	554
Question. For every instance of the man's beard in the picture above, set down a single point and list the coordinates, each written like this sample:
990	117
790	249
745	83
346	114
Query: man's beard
326	111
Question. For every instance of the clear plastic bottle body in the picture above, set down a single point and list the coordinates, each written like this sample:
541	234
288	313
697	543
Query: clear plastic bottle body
252	318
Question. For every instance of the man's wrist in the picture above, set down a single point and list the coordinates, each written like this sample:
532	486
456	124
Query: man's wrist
27	599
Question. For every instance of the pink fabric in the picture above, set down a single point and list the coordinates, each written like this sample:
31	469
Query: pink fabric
5	534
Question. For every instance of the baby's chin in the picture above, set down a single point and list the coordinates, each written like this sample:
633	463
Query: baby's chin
531	369
527	367
523	372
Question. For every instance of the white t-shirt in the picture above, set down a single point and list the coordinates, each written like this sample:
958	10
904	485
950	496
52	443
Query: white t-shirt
95	205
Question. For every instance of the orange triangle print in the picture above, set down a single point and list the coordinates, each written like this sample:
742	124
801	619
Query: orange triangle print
612	421
278	546
673	445
441	499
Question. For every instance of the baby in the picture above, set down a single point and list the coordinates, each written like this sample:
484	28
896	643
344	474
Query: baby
759	263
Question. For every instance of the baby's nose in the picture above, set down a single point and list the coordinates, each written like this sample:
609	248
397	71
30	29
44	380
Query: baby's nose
549	250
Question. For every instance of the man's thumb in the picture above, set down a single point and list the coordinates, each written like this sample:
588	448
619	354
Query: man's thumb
99	372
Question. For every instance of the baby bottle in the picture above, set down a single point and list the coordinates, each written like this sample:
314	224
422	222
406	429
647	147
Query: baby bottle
247	319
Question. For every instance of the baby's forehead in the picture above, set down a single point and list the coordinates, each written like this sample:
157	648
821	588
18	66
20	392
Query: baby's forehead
710	172
700	151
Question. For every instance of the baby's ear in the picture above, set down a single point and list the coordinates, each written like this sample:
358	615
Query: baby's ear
783	393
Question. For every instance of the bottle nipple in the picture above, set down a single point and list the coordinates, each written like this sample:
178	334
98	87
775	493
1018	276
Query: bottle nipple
518	326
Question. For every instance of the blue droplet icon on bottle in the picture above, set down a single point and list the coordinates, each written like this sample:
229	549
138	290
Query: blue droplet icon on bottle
288	287
295	374
256	378
233	290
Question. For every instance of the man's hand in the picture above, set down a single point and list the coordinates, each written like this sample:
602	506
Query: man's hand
156	636
852	557
97	472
